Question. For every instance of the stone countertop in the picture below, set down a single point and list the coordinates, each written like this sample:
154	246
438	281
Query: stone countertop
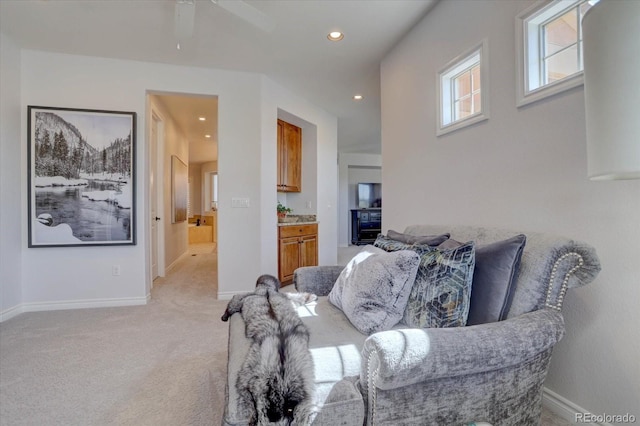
298	219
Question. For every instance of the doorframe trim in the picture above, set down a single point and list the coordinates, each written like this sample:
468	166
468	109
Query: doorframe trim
155	115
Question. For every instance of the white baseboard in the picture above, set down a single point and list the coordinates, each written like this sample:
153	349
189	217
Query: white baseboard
175	262
565	409
72	304
11	312
227	295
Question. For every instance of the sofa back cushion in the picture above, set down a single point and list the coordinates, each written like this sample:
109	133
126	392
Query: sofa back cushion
430	240
549	264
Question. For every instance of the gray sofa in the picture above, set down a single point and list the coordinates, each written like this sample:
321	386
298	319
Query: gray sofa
441	376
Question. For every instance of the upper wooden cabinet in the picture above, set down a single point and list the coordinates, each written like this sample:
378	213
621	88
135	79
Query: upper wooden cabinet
289	157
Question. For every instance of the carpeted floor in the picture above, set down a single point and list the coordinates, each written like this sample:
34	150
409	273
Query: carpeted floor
159	364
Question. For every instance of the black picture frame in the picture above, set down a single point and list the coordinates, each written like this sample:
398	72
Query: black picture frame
81	177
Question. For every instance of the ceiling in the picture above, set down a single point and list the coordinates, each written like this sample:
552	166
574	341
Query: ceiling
187	111
294	51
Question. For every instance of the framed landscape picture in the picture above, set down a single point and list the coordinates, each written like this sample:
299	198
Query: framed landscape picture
81	178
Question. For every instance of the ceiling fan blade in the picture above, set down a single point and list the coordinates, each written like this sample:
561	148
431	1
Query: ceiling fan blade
248	13
184	19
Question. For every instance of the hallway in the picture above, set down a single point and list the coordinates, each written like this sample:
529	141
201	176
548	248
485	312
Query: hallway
199	269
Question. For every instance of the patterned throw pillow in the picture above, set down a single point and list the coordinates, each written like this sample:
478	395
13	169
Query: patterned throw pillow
372	290
441	294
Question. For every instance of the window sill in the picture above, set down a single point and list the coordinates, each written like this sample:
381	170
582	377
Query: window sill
472	119
549	90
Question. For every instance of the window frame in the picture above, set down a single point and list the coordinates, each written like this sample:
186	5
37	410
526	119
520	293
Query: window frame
445	88
214	191
528	46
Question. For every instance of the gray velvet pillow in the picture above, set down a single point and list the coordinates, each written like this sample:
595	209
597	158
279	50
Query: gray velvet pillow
494	278
373	289
430	240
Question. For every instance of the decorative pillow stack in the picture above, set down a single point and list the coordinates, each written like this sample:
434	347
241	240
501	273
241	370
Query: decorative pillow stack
372	290
428	282
440	296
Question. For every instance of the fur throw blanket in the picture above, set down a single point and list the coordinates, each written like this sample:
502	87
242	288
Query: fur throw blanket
276	380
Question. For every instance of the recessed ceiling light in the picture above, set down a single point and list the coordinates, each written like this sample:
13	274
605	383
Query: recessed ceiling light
207	136
202	118
358	97
335	36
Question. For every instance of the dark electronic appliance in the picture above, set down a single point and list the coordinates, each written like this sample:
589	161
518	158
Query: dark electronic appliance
369	195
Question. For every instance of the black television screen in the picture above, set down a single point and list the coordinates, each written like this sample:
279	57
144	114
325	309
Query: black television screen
369	195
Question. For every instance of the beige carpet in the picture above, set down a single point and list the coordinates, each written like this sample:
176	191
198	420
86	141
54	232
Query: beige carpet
159	364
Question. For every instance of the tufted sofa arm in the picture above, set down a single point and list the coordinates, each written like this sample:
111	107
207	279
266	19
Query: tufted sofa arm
318	280
401	357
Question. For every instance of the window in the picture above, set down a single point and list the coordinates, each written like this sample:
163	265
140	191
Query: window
461	84
550	48
466	93
189	197
214	191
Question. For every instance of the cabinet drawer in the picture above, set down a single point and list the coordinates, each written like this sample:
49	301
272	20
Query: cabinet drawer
297	230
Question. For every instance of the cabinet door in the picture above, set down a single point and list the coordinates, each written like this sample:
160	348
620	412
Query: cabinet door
289	157
293	153
309	250
289	257
281	152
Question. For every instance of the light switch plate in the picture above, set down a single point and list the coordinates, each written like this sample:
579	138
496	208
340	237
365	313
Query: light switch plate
240	203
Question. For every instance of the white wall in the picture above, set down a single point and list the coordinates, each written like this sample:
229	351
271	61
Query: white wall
71	277
275	98
50	79
349	167
176	237
524	168
11	182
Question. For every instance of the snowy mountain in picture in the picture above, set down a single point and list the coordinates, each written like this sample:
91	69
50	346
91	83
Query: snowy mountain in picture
81	176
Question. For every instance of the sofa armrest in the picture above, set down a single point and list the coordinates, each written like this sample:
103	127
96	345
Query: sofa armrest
401	357
318	280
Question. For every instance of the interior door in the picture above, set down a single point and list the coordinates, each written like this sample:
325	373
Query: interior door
153	204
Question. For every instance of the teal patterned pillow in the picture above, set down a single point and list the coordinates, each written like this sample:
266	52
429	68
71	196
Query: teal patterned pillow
441	293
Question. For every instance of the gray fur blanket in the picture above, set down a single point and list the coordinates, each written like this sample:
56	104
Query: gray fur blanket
276	381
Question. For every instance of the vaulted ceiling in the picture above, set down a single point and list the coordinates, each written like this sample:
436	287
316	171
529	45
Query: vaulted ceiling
284	39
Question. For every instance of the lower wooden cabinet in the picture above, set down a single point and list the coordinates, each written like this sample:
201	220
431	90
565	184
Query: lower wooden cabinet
297	247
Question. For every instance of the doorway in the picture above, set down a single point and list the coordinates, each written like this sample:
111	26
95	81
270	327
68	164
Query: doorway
182	127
